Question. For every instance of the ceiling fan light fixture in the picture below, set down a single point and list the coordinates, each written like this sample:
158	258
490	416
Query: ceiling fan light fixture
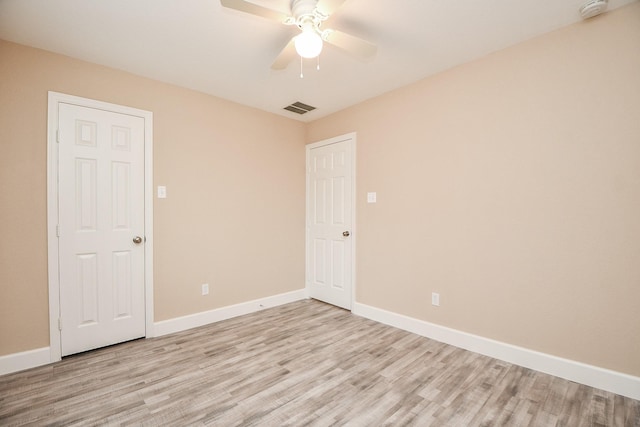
308	43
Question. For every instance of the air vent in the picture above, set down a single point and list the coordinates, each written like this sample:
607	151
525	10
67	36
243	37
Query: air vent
299	108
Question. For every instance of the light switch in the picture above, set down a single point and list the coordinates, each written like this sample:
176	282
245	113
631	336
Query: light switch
162	192
371	197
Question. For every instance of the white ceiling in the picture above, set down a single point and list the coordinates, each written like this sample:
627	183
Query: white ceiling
200	45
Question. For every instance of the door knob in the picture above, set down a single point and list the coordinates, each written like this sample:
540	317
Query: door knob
137	240
346	233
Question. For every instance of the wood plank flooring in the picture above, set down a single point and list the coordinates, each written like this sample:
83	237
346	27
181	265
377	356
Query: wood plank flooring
305	363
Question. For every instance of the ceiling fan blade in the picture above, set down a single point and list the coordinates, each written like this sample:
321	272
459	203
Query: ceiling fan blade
327	7
285	57
359	48
254	9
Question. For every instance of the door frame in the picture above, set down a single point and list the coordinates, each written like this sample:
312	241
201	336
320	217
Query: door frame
55	98
352	240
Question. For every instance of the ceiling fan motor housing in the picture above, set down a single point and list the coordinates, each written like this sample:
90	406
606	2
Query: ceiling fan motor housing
301	8
307	15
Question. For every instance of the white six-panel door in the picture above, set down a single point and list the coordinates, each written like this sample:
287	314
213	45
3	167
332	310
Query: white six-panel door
101	227
329	221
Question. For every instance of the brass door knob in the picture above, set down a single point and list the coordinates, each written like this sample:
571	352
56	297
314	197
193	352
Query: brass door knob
346	233
137	240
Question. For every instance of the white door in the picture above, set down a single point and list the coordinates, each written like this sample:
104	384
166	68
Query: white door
101	227
330	220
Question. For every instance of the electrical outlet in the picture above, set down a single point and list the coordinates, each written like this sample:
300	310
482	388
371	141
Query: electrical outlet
435	299
205	289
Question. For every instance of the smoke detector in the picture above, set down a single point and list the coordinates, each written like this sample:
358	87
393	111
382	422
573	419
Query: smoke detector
593	8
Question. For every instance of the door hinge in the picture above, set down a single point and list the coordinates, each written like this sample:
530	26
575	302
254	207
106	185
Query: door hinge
57	231
60	323
58	136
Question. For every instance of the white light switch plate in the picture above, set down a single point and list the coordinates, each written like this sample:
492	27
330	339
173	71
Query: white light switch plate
162	192
371	197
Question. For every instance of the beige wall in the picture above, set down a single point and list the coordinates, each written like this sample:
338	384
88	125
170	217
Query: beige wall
511	186
235	179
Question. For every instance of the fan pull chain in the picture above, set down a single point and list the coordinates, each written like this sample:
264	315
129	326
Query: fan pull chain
317	66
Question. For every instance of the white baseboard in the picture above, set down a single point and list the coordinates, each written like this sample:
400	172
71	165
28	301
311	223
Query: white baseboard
179	324
24	360
604	379
41	356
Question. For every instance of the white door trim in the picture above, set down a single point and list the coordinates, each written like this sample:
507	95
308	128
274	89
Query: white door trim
52	210
352	239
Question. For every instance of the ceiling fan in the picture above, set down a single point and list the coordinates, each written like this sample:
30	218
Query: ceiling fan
308	16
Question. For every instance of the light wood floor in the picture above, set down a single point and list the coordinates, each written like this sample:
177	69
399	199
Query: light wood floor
305	363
